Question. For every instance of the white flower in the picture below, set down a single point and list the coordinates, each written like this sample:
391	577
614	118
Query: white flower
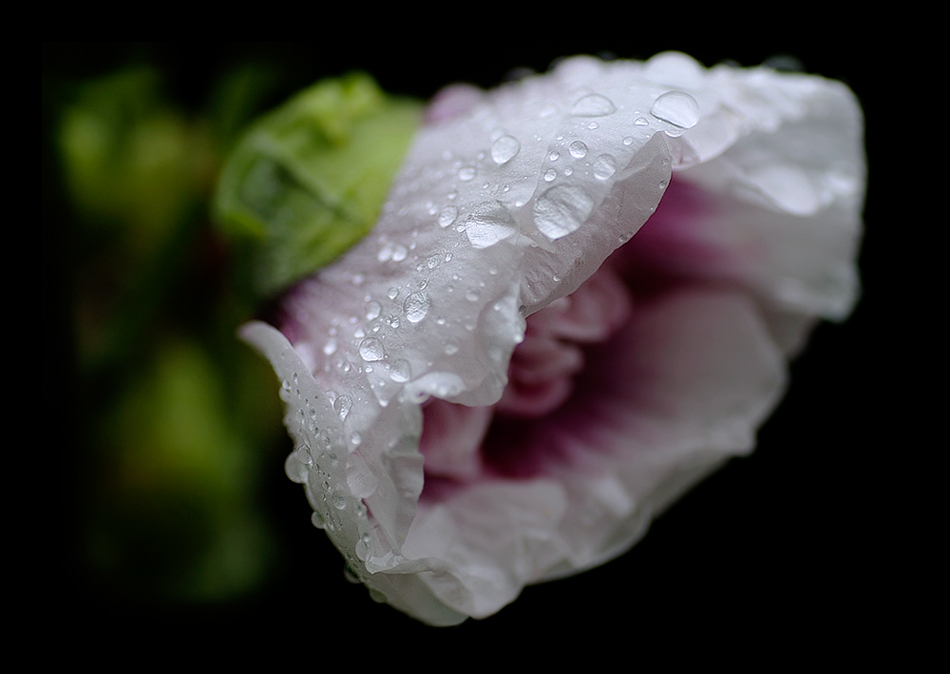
648	357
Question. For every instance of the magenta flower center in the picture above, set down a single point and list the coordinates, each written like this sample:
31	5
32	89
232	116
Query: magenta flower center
571	360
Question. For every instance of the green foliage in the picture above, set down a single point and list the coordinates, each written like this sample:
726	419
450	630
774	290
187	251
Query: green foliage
308	181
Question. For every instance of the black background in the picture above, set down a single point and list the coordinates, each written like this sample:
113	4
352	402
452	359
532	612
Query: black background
797	541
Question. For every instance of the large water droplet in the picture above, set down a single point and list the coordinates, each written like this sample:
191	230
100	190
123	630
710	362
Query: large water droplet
562	210
604	167
593	105
401	371
550	175
578	149
505	149
416	306
371	350
488	223
677	108
447	216
342	405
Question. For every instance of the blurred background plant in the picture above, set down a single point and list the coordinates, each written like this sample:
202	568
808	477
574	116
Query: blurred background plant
174	420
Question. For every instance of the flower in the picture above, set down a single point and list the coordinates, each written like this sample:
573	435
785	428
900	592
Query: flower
579	299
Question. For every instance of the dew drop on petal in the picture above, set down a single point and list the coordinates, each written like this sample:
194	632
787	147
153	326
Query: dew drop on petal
578	149
467	173
447	216
401	371
593	105
373	310
342	405
562	210
371	350
677	108
550	175
488	223
505	149
604	167
416	306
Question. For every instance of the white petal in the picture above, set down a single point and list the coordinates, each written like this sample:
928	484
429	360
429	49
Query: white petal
510	200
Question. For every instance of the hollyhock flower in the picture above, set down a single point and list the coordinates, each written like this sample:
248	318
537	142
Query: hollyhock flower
578	300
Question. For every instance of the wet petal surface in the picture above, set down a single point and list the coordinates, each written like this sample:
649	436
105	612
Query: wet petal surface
577	301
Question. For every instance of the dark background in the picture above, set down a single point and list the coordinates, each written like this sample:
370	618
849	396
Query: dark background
797	541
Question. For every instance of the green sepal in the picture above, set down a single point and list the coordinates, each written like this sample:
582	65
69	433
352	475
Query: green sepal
307	181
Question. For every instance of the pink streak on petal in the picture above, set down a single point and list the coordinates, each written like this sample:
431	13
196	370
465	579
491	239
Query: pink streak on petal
451	438
451	102
688	237
694	371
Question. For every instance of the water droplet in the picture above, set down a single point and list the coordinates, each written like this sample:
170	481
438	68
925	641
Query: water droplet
593	105
467	173
356	439
371	350
351	575
578	149
401	371
488	223
628	140
554	156
385	253
641	121
677	108
373	310
342	405
399	253
317	520
562	210
416	306
393	321
505	149
550	175
392	293
433	261
451	349
604	167
471	296
447	216
338	500
330	347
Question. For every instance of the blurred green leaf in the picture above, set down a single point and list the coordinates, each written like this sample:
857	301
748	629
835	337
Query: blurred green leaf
131	160
175	501
309	179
